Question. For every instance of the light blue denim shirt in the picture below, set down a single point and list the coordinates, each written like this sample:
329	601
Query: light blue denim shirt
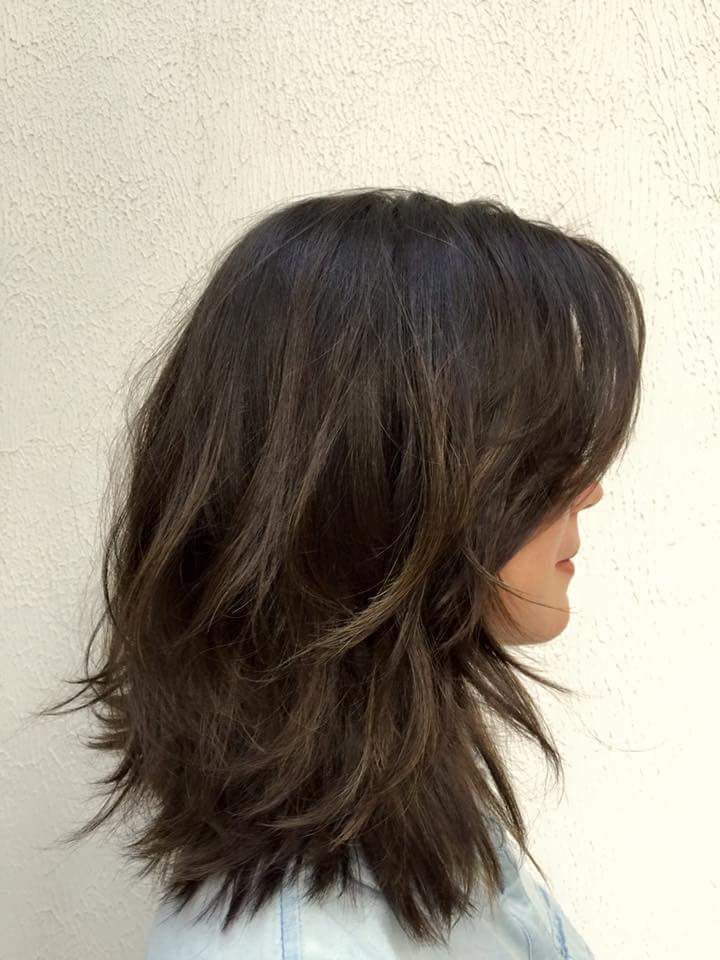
526	924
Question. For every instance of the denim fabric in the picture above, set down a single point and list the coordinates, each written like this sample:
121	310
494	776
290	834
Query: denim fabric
527	924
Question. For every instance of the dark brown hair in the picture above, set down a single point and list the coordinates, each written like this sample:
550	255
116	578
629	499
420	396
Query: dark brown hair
375	399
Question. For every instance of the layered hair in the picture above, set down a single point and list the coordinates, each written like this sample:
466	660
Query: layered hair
376	399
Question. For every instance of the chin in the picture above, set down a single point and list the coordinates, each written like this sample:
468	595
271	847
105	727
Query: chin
546	625
560	627
553	626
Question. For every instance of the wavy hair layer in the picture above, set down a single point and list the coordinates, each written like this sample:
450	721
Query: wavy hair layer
374	401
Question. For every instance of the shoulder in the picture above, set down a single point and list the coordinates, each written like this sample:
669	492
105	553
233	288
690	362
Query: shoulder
289	926
358	924
354	925
549	929
183	935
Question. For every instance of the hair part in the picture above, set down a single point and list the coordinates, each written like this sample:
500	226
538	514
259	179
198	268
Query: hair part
376	399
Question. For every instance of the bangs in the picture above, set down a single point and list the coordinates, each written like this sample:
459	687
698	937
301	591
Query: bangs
579	352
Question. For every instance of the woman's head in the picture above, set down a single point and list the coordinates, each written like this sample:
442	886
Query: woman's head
325	516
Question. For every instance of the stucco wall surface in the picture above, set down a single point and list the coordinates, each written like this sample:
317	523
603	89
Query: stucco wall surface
135	138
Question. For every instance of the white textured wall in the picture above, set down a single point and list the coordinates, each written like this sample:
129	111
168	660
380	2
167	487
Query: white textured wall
135	138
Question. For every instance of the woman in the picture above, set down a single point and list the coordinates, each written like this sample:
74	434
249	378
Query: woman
351	491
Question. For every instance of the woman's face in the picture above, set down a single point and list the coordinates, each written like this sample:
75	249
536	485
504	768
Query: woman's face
537	571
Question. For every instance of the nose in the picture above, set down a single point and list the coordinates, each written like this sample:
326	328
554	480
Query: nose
590	496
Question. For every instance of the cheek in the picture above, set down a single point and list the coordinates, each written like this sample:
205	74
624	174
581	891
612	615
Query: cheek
530	569
536	575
